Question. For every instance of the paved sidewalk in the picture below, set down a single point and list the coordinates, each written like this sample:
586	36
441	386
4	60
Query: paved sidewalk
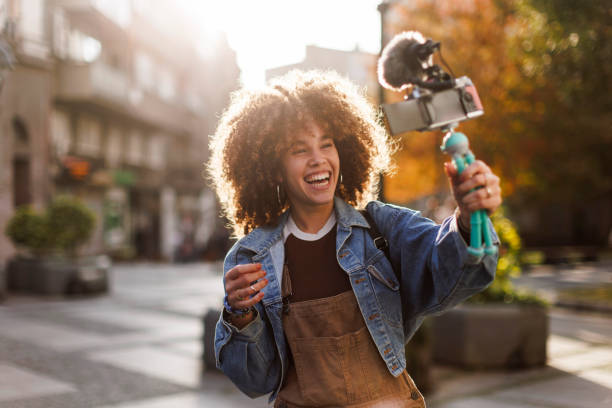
140	346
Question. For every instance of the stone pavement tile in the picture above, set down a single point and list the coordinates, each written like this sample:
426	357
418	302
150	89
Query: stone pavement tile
454	383
141	326
592	358
49	335
191	347
480	402
194	305
586	327
154	362
134	317
17	383
196	400
559	346
568	391
602	376
68	318
97	383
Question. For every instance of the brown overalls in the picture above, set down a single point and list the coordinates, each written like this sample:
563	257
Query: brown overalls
333	360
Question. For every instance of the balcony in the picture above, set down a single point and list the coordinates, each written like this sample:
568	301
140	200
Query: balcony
107	23
95	82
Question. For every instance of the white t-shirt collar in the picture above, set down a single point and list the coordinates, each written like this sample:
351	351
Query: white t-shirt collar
292	228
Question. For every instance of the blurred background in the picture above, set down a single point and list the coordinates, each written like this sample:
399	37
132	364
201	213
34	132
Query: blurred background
106	107
113	101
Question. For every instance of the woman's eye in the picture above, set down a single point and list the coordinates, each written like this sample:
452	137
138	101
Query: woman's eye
328	145
298	151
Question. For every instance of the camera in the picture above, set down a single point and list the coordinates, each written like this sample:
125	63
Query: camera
436	99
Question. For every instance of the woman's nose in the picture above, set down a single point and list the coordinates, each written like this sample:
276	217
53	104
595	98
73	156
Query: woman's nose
316	159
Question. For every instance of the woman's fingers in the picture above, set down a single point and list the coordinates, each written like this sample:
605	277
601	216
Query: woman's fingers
247	297
488	198
478	166
243	281
245	304
239	270
476	187
478	180
243	284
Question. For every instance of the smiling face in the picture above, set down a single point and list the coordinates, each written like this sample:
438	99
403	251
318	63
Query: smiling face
310	169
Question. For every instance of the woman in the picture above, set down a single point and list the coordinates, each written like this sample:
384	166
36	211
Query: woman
314	313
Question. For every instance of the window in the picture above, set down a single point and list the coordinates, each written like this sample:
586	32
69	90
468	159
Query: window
3	13
83	48
135	148
61	34
144	71
156	153
88	136
193	101
31	16
60	132
166	87
113	147
118	11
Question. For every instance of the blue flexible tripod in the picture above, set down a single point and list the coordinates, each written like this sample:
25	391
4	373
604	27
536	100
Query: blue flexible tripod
456	145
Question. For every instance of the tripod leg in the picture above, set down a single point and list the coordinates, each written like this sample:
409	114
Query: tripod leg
489	249
475	247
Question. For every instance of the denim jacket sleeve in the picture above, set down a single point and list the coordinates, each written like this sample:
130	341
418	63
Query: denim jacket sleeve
247	356
437	272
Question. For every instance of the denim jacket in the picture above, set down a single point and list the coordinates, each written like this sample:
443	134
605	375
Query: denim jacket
436	273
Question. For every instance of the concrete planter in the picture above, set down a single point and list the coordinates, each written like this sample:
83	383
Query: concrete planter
56	276
19	273
52	277
2	283
491	336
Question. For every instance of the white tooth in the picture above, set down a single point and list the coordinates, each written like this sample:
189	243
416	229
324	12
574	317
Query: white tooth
318	177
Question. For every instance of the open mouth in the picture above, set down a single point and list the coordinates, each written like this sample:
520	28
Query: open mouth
320	179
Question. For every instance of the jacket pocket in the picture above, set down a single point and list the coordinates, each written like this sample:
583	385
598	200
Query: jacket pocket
388	282
386	290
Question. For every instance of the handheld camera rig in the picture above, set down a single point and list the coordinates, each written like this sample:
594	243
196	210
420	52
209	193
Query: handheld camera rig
434	100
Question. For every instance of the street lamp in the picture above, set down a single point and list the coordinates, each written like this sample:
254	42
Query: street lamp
382	9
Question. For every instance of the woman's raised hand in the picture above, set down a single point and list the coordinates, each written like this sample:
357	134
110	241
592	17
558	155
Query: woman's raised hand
474	189
243	285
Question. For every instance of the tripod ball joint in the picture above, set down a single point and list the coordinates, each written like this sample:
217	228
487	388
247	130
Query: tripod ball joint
456	145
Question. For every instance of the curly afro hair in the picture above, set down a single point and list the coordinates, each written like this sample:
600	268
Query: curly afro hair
256	130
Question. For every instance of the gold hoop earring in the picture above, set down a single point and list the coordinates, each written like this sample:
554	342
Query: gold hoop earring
278	194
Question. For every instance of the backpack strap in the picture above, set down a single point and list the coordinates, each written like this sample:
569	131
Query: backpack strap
380	241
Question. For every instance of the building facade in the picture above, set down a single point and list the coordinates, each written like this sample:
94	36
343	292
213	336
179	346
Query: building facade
111	102
358	66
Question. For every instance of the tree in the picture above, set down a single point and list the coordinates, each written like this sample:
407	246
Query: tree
542	68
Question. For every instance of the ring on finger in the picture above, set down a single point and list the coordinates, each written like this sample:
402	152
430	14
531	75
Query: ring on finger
253	289
488	190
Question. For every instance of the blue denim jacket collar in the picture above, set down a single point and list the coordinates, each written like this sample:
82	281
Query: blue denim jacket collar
262	238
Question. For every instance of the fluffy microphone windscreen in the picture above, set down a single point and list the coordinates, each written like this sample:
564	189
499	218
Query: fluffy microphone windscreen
399	63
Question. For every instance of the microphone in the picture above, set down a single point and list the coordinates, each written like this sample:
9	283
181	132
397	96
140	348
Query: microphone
405	59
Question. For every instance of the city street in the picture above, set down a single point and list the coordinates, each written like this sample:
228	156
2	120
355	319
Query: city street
140	346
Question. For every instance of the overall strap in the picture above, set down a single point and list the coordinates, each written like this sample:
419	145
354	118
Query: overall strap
380	241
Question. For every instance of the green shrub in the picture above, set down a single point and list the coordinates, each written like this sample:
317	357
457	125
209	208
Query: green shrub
509	266
70	222
28	229
66	224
